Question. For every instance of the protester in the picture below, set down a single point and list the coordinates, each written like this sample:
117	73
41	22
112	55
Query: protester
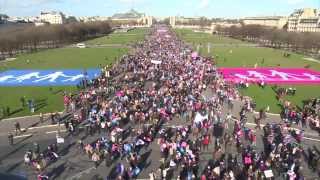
17	127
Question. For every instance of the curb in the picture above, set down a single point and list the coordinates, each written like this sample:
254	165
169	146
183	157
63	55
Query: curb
256	112
272	114
23	117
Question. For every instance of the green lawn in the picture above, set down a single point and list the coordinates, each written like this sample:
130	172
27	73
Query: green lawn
240	56
122	38
62	58
46	100
248	56
195	38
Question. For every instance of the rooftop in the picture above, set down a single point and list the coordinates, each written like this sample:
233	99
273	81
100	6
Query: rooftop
132	14
264	18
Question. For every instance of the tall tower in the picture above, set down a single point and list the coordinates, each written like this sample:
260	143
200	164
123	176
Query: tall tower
173	21
150	21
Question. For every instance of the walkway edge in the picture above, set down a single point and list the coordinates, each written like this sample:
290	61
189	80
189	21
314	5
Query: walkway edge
25	117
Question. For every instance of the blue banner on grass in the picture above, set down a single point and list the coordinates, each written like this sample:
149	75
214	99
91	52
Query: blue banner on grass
46	77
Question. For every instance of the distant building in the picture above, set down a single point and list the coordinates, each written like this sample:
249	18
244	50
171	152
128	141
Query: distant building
172	21
3	18
133	16
30	19
270	21
194	23
40	23
304	20
181	20
52	17
93	18
224	24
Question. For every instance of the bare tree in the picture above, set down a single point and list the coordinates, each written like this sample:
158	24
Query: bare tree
30	38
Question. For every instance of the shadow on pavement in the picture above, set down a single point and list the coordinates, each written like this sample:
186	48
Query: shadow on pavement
14	166
57	171
21	140
12	152
40	106
113	173
65	150
15	111
143	161
11	177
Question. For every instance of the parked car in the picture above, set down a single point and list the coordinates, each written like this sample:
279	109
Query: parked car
81	45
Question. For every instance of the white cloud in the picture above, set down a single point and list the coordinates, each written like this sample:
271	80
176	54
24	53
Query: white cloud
203	4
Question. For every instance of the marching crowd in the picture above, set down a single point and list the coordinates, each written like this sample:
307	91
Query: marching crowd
131	104
308	115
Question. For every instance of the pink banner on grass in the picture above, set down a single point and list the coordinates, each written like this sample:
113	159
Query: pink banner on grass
271	75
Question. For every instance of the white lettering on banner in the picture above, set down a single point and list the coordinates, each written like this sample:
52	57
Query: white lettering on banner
241	76
283	75
51	77
311	76
252	75
73	78
257	75
27	76
36	77
5	78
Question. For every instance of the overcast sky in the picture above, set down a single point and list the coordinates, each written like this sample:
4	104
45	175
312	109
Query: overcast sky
160	8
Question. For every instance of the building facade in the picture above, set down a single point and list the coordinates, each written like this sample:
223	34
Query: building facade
52	17
172	21
270	21
304	20
3	18
133	16
223	24
180	20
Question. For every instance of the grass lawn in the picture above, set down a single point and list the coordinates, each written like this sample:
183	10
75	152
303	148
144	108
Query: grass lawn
62	58
240	56
65	58
122	38
195	38
248	56
46	100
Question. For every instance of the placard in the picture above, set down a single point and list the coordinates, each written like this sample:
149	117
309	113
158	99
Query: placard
268	173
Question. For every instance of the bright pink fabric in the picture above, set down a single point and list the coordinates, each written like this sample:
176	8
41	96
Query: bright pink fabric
271	75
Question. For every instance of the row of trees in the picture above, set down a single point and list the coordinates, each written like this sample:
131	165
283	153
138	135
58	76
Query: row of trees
126	22
14	40
202	22
272	37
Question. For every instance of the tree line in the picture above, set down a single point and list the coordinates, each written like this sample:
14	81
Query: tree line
272	37
202	22
15	40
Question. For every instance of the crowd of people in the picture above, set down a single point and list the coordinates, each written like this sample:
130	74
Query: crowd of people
39	160
166	95
308	116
